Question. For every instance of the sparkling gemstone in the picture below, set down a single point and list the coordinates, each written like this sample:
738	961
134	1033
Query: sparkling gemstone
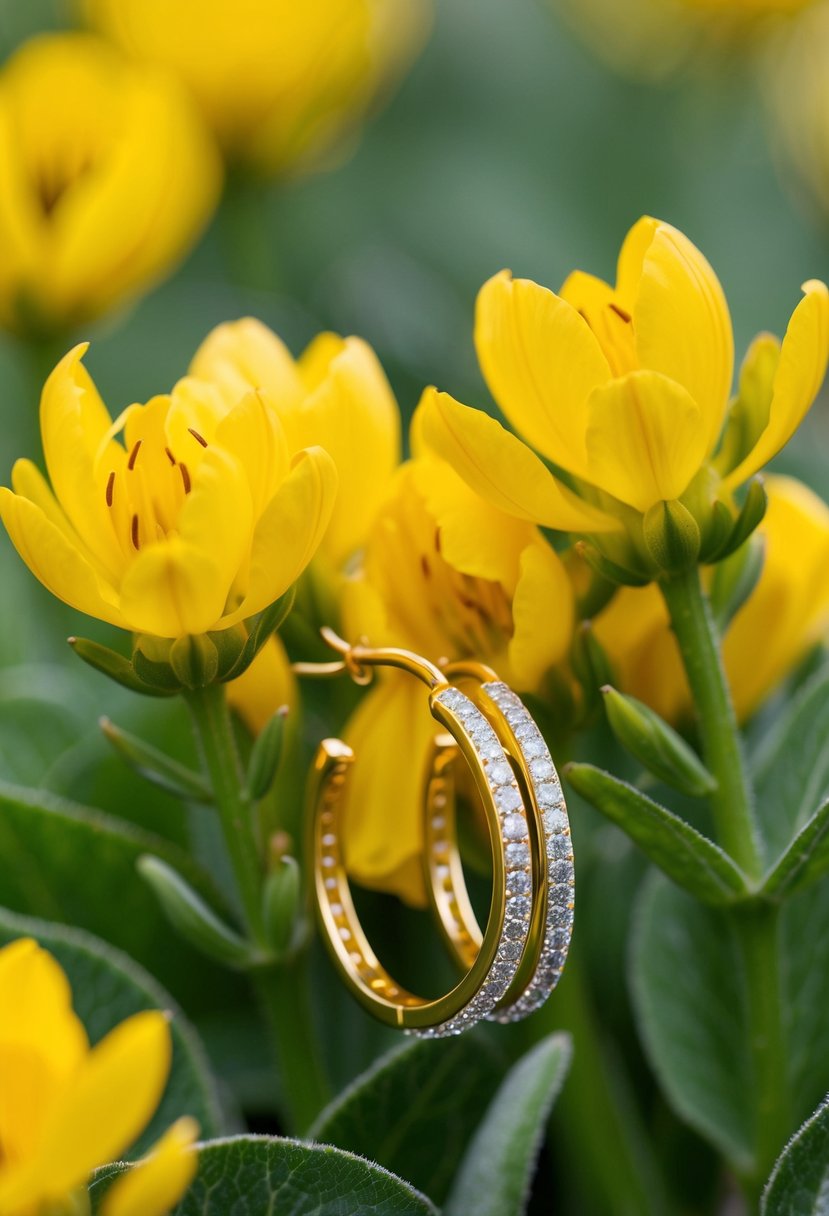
499	773
501	973
558	959
560	939
548	794
519	883
508	798
560	871
490	749
519	906
559	916
533	746
510	950
515	827
561	894
559	846
542	770
517	855
555	820
515	929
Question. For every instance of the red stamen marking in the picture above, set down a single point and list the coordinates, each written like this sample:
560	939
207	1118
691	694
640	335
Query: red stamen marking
170	456
198	438
185	477
437	541
134	454
621	312
424	565
134	532
110	487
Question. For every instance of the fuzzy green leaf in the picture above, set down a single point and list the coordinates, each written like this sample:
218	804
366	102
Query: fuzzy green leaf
496	1171
685	855
799	1183
415	1110
805	861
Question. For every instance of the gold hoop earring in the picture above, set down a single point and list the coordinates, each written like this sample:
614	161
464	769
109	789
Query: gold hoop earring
512	965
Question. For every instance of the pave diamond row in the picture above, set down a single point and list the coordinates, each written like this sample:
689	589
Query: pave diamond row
515	844
557	847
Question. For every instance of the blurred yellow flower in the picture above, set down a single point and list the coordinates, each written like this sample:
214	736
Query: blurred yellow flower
786	614
626	388
107	177
267	684
282	84
202	518
797	86
449	576
67	1108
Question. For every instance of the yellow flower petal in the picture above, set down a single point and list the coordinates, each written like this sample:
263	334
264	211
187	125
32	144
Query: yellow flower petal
541	362
391	732
289	531
56	562
74	427
543	613
111	1100
502	469
682	324
269	682
797	381
42	1043
352	413
243	355
644	439
154	1186
252	432
217	516
172	589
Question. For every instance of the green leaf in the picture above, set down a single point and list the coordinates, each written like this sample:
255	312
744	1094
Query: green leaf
70	864
438	1088
791	765
257	1175
691	1010
799	1183
655	744
805	861
116	667
153	764
685	855
496	1171
108	987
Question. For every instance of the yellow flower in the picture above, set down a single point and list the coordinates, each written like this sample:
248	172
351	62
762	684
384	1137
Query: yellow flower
449	576
267	684
626	388
797	85
786	614
67	1108
202	519
280	83
106	178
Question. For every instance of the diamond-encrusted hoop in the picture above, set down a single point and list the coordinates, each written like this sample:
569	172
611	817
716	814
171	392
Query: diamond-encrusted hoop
545	790
504	943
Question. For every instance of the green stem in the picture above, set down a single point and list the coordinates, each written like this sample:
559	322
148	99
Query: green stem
756	924
214	731
758	934
284	993
282	987
731	802
596	1126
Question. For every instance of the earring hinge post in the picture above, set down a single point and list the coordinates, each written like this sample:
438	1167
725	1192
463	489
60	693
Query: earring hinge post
356	658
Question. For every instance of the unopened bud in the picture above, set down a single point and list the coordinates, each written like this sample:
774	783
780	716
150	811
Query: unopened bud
656	744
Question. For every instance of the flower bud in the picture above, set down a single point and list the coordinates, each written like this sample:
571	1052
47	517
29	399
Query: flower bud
672	536
655	744
266	755
281	905
192	918
195	660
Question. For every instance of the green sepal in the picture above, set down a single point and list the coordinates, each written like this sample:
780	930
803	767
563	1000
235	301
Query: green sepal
281	906
260	628
734	579
656	744
684	854
151	660
266	755
749	518
591	666
115	666
155	766
671	536
195	660
717	530
230	644
193	919
804	861
611	570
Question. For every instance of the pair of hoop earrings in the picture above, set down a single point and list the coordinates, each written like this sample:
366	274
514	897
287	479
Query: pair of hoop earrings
513	965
